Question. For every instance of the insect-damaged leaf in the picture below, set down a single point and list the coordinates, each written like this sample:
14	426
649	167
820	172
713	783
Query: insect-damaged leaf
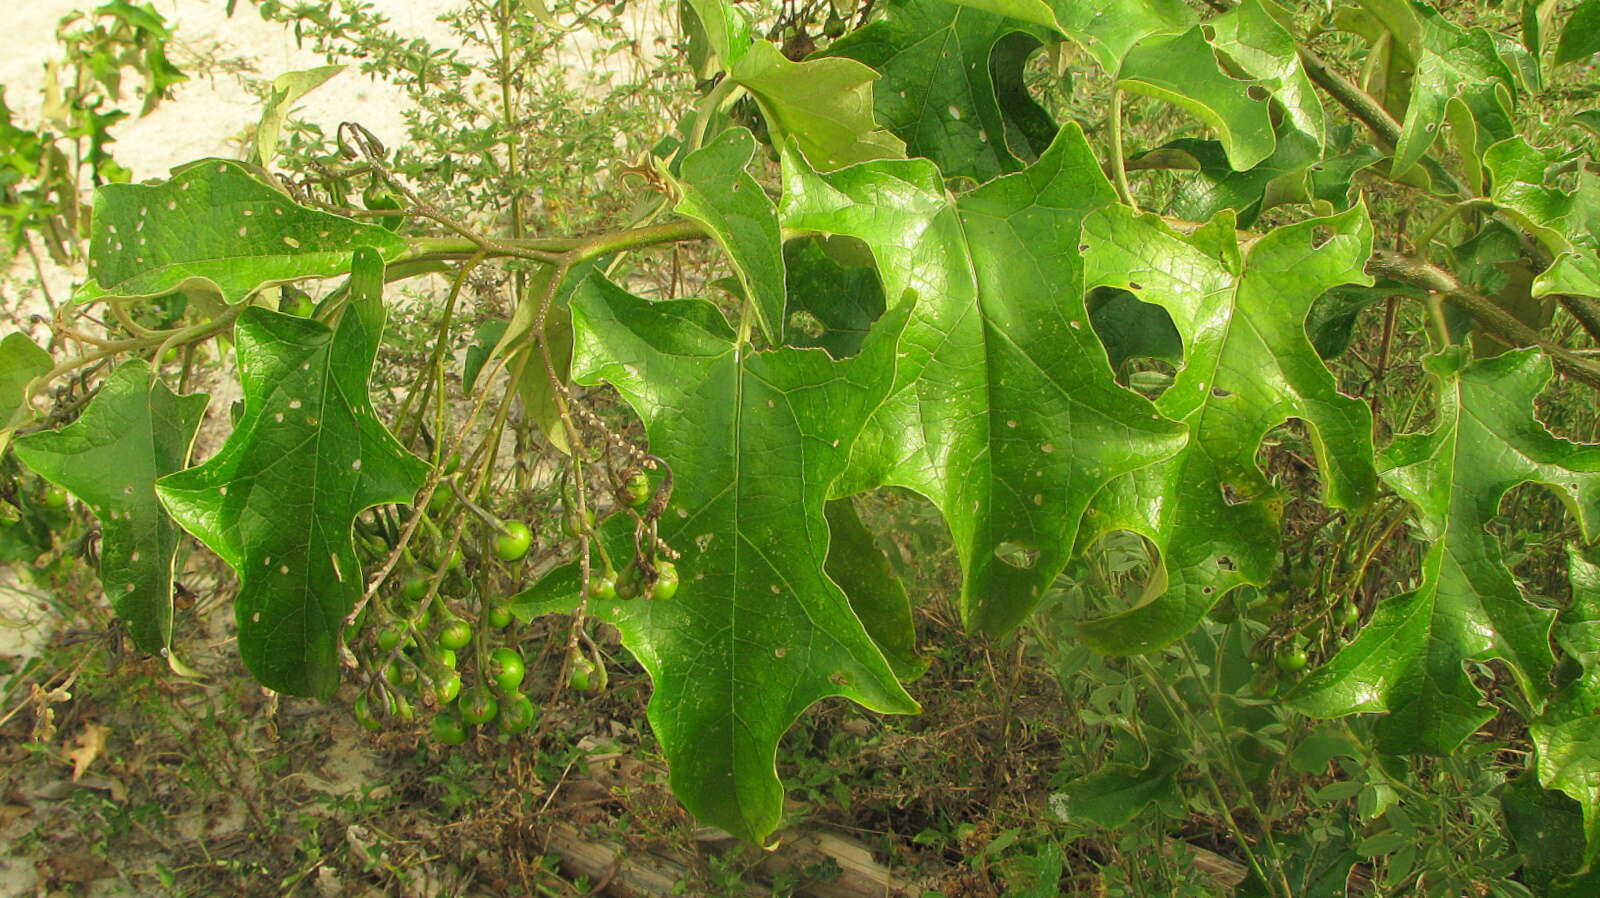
214	227
1004	412
757	632
278	500
1248	367
133	431
1409	658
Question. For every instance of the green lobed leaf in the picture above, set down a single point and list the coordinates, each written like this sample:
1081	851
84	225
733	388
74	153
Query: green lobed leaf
952	85
757	632
278	501
1452	62
718	192
1566	737
1249	366
20	362
1580	37
133	431
1254	41
1108	29
1182	69
1409	659
1568	224
824	104
1005	412
215	227
1278	179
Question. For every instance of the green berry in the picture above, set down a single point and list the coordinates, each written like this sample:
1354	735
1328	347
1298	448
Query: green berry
446	685
506	669
389	637
455	635
514	542
448	729
516	714
55	497
478	706
415	589
362	711
666	581
636	489
1349	614
1291	659
581	677
499	617
603	586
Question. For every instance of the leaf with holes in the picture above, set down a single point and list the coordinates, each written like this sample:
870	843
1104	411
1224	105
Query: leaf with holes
214	227
952	85
1005	412
278	500
133	431
1409	659
1182	69
1248	367
757	632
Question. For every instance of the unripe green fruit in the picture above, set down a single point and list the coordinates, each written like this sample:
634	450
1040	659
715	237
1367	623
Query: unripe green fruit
636	489
439	502
666	585
570	523
362	711
456	560
1291	659
389	637
499	617
603	586
446	685
457	634
1349	614
513	544
478	706
55	497
506	669
448	729
415	588
516	714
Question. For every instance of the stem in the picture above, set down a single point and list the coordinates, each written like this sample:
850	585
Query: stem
1119	168
1497	320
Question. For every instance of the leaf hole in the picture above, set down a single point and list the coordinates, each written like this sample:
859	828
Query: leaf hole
1017	555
